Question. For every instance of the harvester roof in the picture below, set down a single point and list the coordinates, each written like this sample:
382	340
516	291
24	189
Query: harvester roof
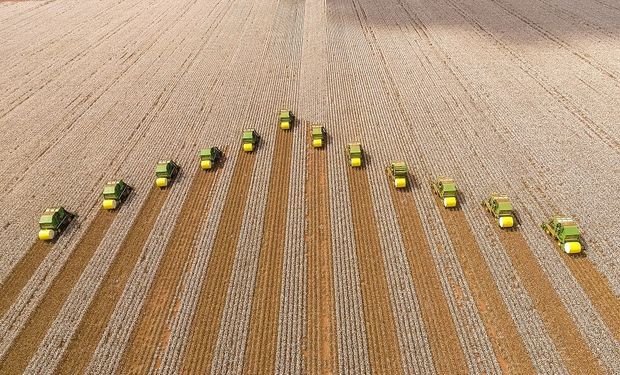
285	113
400	168
206	152
317	131
163	166
248	134
50	215
355	148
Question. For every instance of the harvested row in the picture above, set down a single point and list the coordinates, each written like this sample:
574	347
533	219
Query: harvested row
16	358
598	290
150	327
22	272
320	352
383	347
506	340
206	321
262	337
442	335
96	317
572	346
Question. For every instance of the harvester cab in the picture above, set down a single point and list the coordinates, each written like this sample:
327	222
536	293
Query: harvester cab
53	221
287	119
565	231
446	189
318	136
209	156
114	193
249	139
165	171
501	208
398	170
356	154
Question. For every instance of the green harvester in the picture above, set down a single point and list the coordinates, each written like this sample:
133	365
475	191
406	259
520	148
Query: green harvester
446	189
318	136
287	119
565	231
53	221
356	154
165	172
249	139
114	193
209	156
500	207
398	171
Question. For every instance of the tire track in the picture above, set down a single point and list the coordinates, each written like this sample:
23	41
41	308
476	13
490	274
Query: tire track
383	346
151	327
25	345
21	273
571	345
320	351
507	343
94	321
443	338
207	317
262	338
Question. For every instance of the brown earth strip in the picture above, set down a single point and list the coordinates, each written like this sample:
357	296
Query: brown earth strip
207	318
383	346
262	339
596	286
27	342
563	330
507	344
443	339
320	352
84	342
154	314
21	273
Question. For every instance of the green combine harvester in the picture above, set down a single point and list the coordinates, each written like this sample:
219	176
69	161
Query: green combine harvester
318	136
287	119
209	156
398	171
501	208
53	222
249	139
356	154
114	193
165	172
565	231
446	189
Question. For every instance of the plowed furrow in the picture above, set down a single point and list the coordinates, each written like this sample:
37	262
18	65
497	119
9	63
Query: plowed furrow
208	315
84	341
507	343
151	323
563	330
27	342
598	290
21	273
320	352
383	346
443	339
263	334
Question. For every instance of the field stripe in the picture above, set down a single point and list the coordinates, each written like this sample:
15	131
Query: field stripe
208	315
571	345
383	347
261	344
150	327
320	352
446	349
83	343
26	344
507	343
598	290
21	273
